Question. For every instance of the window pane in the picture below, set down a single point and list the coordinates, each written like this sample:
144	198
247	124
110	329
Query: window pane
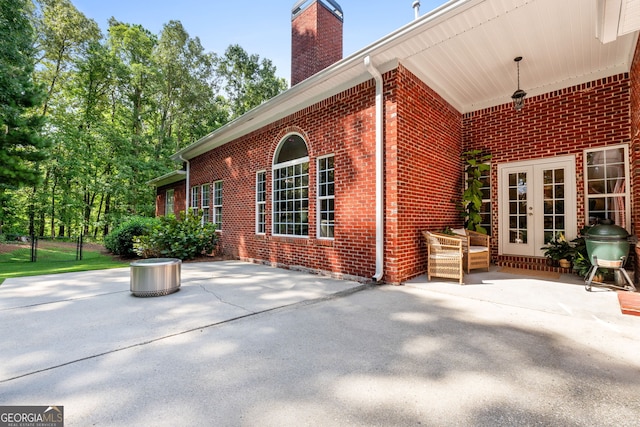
292	148
290	201
326	194
607	185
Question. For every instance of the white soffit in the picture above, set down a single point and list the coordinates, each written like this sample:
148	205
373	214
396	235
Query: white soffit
468	59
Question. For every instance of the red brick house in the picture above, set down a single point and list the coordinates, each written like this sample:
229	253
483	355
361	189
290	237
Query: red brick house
343	171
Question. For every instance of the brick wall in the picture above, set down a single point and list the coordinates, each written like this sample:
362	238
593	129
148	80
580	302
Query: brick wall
316	41
424	137
424	179
343	125
179	198
563	122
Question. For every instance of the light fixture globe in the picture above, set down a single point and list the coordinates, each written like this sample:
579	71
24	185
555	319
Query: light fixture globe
518	99
519	94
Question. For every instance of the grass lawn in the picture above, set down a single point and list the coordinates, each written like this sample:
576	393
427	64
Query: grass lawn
14	261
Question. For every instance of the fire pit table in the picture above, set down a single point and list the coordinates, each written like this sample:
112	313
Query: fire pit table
608	247
155	276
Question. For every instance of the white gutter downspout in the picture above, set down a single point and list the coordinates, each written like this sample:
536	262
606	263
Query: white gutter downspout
379	169
187	190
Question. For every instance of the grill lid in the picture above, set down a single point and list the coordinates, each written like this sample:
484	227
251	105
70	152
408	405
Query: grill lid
606	231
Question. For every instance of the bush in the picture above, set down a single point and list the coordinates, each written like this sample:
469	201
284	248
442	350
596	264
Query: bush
120	240
184	238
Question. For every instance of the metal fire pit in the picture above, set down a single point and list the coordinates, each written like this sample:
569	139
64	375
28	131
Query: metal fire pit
155	277
608	247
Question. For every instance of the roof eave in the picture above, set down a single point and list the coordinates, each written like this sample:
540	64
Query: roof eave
168	178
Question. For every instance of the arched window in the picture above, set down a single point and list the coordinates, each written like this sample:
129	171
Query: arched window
291	187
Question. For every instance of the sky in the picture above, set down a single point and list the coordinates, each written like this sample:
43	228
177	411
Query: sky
261	27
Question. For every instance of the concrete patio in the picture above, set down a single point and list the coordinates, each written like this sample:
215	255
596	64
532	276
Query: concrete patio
245	345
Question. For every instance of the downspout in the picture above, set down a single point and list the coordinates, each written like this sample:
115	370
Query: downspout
379	168
188	189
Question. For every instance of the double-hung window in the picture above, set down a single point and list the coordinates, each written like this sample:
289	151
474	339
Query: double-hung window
195	199
291	188
261	202
607	184
204	194
326	197
217	204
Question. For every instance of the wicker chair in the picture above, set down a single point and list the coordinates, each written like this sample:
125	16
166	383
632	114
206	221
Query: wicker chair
444	256
476	249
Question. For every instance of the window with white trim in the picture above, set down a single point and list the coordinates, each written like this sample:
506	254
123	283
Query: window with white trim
485	209
204	197
607	185
291	188
217	204
168	202
261	202
195	199
326	197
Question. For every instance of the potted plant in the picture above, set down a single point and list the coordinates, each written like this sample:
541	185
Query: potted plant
559	251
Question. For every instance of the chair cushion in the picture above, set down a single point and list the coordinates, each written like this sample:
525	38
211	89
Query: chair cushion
459	231
433	241
477	249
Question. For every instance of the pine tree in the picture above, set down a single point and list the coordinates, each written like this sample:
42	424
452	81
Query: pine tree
21	146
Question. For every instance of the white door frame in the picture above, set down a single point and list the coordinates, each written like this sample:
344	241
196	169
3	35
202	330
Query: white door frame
535	210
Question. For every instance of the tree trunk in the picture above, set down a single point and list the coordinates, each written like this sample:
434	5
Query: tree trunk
107	205
95	229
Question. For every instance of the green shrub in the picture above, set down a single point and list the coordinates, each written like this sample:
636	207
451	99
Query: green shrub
185	237
120	240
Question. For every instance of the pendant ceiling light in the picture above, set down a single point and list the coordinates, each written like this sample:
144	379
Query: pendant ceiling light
519	94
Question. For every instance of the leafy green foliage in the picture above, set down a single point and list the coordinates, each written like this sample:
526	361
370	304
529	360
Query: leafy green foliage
476	165
248	81
558	248
185	238
581	261
121	240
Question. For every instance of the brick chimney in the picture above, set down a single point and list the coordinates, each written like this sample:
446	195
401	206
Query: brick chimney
316	37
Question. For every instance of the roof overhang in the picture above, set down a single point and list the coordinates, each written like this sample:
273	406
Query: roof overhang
464	50
169	178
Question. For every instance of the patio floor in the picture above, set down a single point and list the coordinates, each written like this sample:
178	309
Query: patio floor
247	345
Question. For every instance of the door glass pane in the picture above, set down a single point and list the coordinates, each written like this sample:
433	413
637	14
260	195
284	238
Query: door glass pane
518	208
554	198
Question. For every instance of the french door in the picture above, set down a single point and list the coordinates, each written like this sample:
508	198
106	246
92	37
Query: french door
537	200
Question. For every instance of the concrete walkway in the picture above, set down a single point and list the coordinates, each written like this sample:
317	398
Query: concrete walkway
247	345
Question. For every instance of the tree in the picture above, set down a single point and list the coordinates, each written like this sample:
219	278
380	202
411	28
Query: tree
62	33
116	106
188	107
248	81
21	145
